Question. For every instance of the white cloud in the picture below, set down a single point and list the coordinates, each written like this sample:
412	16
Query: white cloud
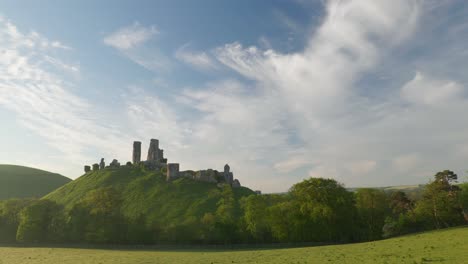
315	87
74	69
199	60
135	42
59	45
426	90
130	36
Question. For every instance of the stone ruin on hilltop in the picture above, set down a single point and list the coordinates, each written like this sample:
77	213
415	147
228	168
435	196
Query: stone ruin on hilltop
155	161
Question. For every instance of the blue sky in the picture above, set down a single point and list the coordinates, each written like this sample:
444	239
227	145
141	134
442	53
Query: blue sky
370	93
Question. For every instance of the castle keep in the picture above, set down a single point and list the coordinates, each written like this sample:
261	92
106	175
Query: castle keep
155	161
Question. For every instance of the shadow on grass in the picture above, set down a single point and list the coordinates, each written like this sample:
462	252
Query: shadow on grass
171	247
208	247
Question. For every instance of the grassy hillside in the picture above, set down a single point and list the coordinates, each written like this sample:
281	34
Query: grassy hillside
148	193
24	182
446	246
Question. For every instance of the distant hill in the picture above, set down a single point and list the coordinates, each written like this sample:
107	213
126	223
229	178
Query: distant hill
414	192
25	182
147	192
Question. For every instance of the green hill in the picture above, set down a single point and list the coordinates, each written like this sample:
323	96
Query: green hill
444	246
24	182
148	193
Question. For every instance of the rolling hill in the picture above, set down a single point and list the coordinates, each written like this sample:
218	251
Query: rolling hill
148	193
25	182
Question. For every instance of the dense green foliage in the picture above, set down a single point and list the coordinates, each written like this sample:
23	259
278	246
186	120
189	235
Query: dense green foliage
445	246
24	182
148	208
131	205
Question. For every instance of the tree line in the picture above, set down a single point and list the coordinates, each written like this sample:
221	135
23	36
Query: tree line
314	210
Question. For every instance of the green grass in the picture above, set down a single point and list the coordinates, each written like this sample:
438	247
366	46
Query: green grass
148	193
445	246
24	182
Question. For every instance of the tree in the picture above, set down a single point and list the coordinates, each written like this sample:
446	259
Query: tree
209	232
463	197
138	231
402	219
372	209
255	217
446	177
225	214
286	221
399	203
77	222
439	206
98	218
41	221
328	210
10	218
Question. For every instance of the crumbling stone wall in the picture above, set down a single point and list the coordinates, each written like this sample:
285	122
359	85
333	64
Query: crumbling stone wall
236	184
114	164
208	175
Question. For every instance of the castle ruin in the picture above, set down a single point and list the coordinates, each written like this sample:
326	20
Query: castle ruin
136	157
155	161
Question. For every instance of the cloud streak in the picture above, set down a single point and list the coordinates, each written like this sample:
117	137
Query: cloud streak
44	102
130	36
135	43
199	60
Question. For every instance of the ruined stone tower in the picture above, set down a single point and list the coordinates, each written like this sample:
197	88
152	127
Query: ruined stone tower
136	158
153	151
228	175
172	171
102	164
155	157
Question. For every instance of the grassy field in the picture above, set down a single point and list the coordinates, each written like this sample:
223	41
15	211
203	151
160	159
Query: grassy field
447	246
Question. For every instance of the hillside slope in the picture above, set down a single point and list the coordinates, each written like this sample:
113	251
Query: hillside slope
148	193
25	182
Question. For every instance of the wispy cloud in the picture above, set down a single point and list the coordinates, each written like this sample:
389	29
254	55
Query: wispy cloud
135	43
130	36
199	60
71	68
43	101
